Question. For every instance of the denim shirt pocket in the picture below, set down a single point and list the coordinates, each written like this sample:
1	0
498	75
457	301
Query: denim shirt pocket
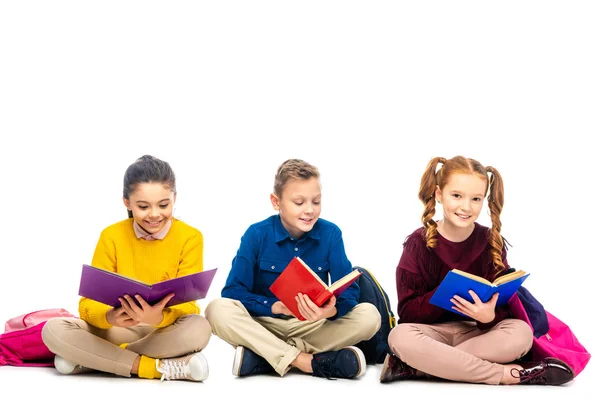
272	266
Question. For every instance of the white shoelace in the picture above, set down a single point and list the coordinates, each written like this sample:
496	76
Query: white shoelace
172	369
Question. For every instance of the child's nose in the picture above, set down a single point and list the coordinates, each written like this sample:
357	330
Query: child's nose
466	205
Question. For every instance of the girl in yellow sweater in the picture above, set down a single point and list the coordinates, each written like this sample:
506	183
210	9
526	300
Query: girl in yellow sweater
151	341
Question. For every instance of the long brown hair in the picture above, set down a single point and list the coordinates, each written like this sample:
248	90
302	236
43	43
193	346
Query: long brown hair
463	165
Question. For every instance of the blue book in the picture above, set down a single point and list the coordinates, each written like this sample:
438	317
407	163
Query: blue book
459	283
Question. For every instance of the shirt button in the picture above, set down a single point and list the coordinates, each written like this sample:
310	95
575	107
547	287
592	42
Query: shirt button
265	302
272	267
295	249
319	268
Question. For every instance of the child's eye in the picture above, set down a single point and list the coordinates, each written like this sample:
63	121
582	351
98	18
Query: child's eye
164	205
477	199
316	203
143	207
456	195
298	204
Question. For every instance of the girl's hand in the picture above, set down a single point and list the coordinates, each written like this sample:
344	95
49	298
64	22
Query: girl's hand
280	308
119	317
144	312
479	311
312	312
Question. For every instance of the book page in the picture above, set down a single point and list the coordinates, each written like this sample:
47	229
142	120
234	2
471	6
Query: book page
312	272
342	281
120	276
509	277
471	276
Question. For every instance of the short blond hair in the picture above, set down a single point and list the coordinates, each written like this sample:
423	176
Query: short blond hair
293	169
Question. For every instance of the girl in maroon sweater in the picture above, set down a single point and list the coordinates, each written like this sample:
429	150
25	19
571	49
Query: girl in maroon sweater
482	344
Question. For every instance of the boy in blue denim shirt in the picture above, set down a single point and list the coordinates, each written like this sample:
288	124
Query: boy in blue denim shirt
265	333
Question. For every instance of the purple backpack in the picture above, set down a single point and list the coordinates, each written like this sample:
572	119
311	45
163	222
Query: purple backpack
21	344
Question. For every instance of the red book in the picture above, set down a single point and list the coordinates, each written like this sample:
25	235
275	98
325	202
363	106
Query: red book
297	277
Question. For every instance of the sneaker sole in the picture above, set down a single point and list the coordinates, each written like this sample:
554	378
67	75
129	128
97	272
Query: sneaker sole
204	368
237	360
362	362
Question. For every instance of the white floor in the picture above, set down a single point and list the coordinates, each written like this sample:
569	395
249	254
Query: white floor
36	382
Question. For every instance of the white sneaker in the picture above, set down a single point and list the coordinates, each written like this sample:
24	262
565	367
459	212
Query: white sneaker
67	367
192	367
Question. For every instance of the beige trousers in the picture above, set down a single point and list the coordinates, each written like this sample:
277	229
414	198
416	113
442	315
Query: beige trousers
280	341
77	341
459	351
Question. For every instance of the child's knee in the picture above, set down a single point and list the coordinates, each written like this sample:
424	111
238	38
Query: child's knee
523	337
53	331
400	338
218	312
370	317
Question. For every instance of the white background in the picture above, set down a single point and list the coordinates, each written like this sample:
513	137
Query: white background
225	91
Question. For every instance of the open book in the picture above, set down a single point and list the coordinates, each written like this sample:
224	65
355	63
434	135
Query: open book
106	287
459	283
298	277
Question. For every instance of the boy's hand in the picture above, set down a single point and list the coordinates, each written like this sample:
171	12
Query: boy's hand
312	312
479	311
119	317
280	308
144	312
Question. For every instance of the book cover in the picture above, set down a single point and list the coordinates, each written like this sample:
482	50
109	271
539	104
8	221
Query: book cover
106	287
459	283
298	277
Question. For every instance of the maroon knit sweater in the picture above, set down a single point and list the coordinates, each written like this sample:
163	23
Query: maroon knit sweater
421	270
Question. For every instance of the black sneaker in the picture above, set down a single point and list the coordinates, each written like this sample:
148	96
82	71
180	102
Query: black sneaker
348	363
246	362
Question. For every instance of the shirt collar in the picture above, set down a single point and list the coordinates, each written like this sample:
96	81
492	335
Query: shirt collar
142	234
282	234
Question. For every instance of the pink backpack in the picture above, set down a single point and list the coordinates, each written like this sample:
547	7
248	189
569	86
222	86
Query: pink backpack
21	344
558	341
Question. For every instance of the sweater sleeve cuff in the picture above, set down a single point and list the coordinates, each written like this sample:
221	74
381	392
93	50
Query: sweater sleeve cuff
168	318
96	316
171	314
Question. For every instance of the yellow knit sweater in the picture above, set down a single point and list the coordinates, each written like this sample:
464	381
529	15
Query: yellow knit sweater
119	250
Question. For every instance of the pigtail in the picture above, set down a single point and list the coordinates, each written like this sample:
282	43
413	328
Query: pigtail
427	197
496	203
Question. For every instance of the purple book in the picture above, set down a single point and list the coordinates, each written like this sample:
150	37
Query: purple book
106	287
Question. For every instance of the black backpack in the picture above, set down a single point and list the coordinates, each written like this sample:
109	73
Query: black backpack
376	348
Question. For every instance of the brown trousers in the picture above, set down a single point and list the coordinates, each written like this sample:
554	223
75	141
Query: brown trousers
459	350
77	341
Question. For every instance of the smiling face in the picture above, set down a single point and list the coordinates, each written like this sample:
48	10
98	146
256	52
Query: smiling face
299	205
152	205
462	200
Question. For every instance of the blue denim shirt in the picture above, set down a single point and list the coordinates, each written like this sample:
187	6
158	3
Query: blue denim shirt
267	248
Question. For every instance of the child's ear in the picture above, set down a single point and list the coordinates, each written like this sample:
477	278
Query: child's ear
275	201
438	194
127	203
